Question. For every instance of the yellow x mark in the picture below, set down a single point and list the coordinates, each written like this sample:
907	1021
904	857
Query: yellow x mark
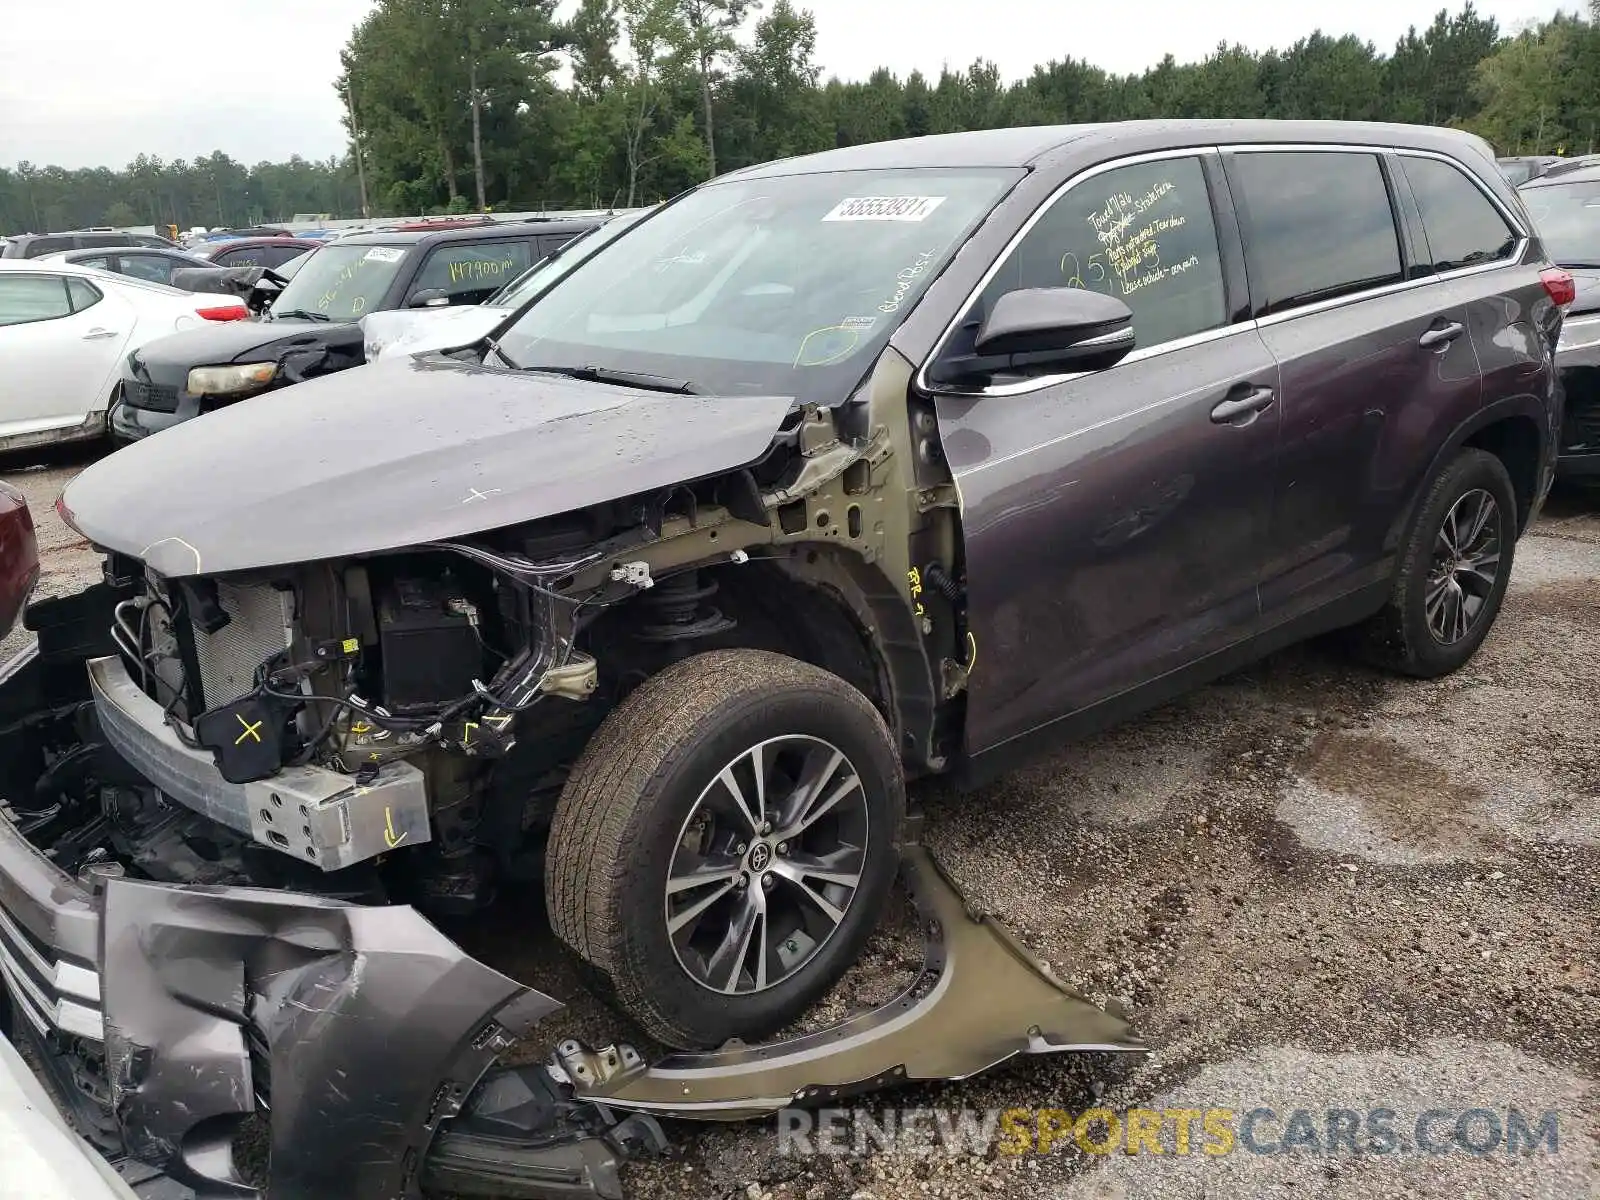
250	731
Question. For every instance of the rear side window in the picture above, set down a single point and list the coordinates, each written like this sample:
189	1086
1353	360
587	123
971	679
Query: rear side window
46	245
1142	233
276	256
471	272
151	267
89	241
249	256
1462	226
549	245
28	298
1318	225
82	293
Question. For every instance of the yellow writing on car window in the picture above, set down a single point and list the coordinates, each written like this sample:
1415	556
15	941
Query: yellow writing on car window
480	269
345	275
1129	229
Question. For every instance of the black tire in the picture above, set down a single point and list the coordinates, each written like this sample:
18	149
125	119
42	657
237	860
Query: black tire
1400	637
624	820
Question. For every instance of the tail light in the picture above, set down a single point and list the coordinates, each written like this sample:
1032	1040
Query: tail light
1558	285
66	514
228	312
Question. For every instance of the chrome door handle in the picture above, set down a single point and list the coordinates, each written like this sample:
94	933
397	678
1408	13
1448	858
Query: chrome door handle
1252	401
1442	336
97	333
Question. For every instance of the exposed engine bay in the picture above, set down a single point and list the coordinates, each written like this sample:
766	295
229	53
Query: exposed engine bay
450	685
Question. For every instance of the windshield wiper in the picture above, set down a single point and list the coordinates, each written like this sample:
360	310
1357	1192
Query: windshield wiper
635	379
303	314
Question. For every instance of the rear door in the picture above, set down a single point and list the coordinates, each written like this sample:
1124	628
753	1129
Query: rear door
1115	521
1373	356
61	339
1475	249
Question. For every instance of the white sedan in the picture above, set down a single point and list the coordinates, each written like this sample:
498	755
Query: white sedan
64	331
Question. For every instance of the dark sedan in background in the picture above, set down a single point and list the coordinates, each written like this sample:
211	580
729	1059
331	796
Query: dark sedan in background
152	264
313	326
253	251
19	556
1565	205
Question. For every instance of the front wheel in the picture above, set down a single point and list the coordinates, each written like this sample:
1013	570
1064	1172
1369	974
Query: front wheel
725	843
1454	569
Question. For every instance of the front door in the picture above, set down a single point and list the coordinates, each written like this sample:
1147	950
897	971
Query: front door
1115	521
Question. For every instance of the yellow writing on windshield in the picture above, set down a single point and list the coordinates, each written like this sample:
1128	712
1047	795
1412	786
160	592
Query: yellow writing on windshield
346	274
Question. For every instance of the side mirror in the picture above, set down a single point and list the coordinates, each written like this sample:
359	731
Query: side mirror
429	298
1034	328
1062	324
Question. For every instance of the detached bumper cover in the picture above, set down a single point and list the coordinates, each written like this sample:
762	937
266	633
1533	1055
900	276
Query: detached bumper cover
360	1028
308	813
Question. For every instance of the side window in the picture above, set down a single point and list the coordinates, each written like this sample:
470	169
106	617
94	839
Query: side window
47	245
103	261
82	293
1462	226
28	298
95	240
247	256
471	272
147	266
1143	233
276	256
549	245
1318	224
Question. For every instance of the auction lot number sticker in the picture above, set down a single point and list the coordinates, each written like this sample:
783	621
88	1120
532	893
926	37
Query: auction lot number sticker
884	208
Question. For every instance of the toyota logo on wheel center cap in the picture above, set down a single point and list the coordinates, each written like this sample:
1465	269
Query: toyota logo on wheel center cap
760	856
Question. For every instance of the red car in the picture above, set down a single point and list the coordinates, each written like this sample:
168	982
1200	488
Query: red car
19	556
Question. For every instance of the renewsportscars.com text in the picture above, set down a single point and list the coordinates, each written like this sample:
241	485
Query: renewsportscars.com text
841	1132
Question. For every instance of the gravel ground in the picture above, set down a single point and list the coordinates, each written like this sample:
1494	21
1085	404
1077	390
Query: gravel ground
1314	887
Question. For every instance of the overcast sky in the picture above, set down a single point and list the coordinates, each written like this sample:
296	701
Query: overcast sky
180	78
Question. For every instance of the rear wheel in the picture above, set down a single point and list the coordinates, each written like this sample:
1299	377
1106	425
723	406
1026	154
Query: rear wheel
724	845
1454	569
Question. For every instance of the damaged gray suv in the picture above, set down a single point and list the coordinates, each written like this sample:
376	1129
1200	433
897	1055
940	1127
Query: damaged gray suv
896	461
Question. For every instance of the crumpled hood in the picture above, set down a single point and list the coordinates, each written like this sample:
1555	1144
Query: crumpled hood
394	332
223	342
398	453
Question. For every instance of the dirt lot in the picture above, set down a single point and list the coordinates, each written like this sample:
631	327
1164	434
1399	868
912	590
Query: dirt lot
1314	887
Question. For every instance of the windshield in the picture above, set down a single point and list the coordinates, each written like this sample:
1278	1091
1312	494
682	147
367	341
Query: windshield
783	286
553	266
1567	216
341	282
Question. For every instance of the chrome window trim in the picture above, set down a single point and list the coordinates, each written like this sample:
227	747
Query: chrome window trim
1023	386
1045	381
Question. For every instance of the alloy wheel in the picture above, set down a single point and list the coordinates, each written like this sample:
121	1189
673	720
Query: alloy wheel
1465	567
767	864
